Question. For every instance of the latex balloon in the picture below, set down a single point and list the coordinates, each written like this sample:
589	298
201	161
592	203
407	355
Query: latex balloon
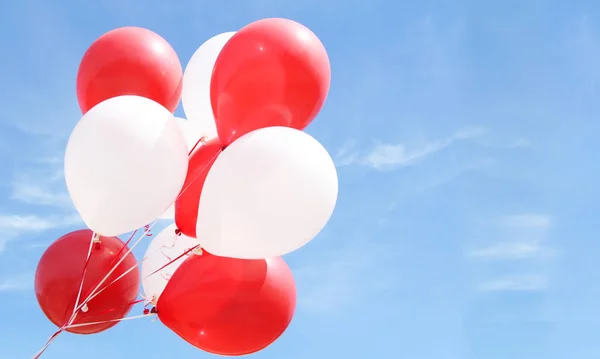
195	96
58	278
169	213
163	251
229	306
186	206
125	164
273	72
193	134
267	194
129	61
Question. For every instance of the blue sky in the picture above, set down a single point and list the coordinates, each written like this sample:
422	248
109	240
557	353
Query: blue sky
465	135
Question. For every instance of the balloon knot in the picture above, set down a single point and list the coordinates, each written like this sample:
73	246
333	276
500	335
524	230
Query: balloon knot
146	311
153	310
197	251
177	232
96	238
84	308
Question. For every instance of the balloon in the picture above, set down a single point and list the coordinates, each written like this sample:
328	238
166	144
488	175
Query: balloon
192	133
125	164
169	213
186	206
229	306
273	72
267	194
195	96
129	61
167	246
58	278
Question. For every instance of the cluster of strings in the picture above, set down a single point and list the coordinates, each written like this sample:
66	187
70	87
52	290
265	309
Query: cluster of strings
81	304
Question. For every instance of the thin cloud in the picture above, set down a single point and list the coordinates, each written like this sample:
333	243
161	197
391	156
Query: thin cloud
534	221
528	282
386	156
42	185
331	282
525	235
510	251
20	282
523	238
15	226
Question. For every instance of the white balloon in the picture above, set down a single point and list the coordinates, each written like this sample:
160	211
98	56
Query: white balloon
125	164
164	248
193	132
267	194
169	213
195	95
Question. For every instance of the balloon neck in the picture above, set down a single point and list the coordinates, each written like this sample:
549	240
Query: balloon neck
177	232
96	238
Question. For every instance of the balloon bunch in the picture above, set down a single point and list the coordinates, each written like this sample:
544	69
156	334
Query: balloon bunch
244	183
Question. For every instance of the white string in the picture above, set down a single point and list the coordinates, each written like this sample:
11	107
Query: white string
87	260
148	228
93	293
109	321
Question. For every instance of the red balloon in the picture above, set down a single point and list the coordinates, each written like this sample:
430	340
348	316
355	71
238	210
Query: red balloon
129	61
58	277
229	306
273	72
186	206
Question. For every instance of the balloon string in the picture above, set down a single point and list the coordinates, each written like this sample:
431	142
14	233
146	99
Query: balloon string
133	302
94	295
190	250
162	251
93	292
52	338
200	140
109	321
93	240
147	229
150	226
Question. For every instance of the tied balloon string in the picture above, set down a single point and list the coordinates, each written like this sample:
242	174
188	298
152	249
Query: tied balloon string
151	225
147	229
110	321
53	337
93	240
168	257
201	140
194	249
133	302
94	292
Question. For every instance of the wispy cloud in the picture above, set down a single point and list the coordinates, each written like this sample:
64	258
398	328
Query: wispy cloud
40	190
527	282
39	185
333	280
386	156
14	226
523	238
19	282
